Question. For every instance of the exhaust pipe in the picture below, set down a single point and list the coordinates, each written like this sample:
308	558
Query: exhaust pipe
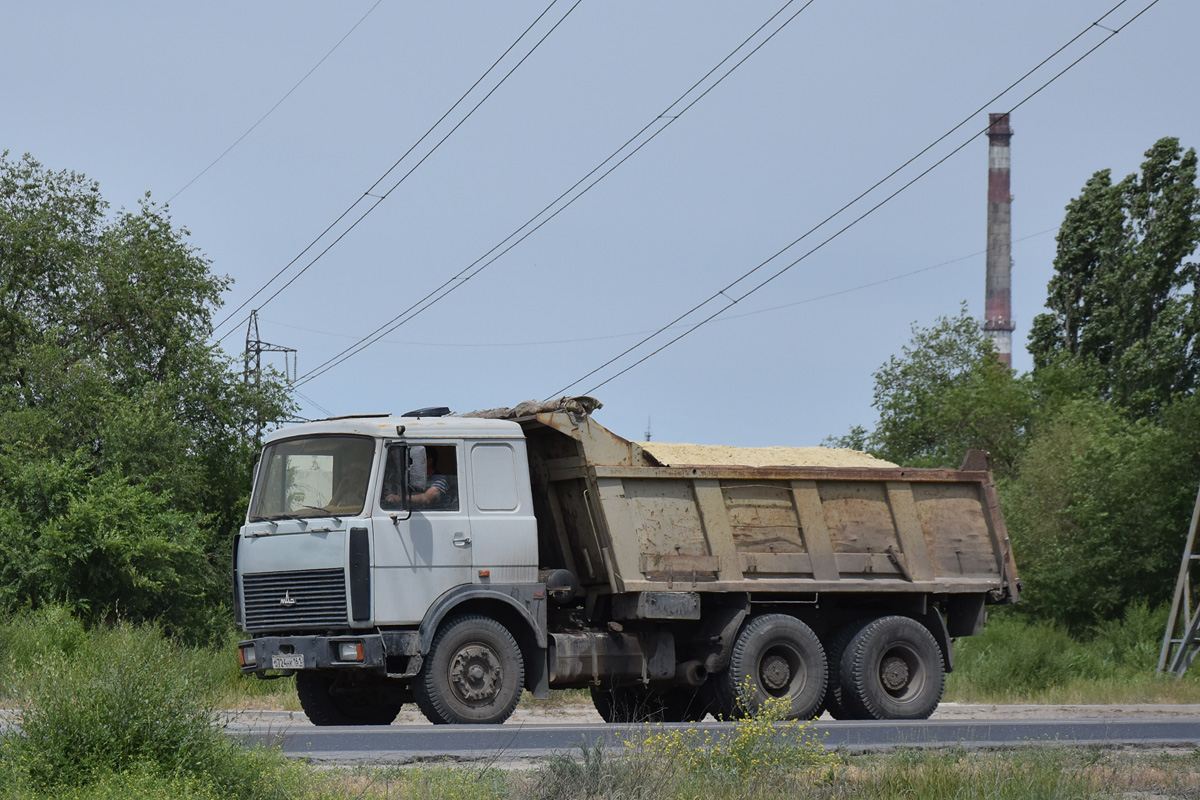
691	673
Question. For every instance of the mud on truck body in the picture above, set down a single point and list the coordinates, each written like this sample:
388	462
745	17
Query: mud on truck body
560	555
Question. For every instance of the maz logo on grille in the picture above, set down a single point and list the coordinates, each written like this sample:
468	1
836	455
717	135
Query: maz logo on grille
287	601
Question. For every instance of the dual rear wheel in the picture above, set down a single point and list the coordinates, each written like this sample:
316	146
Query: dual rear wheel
888	667
885	668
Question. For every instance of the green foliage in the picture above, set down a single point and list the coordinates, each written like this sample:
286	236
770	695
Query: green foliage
114	549
945	394
759	747
122	709
1012	658
439	783
1018	660
1052	773
125	444
1123	299
1099	512
31	637
752	758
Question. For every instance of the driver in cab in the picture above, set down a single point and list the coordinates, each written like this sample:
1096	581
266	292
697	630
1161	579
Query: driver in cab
437	486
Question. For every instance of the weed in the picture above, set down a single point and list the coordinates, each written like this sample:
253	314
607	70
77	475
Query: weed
127	705
759	749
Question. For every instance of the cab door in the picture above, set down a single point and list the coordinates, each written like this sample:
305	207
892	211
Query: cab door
420	552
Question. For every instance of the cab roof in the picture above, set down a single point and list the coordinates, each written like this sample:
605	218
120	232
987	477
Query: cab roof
389	427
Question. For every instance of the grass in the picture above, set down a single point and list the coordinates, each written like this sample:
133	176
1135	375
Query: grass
121	712
1017	661
1053	773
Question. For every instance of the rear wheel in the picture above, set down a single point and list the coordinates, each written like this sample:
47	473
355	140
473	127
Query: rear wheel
328	701
474	673
835	649
775	656
892	669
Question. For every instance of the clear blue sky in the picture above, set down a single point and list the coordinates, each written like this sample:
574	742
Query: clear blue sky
143	96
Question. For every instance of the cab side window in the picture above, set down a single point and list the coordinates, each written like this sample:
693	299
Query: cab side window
432	477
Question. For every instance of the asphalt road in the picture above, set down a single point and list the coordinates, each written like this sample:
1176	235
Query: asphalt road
409	743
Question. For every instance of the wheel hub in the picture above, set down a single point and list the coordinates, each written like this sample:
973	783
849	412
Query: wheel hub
475	673
775	672
894	673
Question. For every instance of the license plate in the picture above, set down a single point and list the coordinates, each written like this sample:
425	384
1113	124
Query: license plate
287	662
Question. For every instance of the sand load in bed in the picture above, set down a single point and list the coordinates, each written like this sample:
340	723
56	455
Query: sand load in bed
675	455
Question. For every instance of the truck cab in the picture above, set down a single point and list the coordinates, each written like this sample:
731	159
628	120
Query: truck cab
362	535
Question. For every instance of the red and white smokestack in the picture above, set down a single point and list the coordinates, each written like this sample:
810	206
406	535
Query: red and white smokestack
997	322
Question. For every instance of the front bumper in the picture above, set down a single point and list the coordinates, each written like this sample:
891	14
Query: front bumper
394	654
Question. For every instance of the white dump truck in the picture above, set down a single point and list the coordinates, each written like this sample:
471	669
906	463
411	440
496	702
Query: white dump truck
454	561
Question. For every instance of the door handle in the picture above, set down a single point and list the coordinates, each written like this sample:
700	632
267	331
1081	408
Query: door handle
461	539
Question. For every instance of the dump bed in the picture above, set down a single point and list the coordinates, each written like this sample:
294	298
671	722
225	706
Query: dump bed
615	517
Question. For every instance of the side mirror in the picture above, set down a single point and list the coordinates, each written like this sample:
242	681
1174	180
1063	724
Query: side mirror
395	491
417	478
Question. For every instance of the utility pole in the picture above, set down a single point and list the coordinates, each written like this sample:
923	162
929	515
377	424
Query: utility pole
252	370
1181	641
998	322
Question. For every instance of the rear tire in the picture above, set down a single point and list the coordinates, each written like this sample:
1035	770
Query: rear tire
473	674
326	702
892	669
834	651
775	656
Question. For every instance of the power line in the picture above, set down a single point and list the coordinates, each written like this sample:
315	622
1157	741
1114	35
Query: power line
734	300
726	318
278	102
667	118
313	403
373	200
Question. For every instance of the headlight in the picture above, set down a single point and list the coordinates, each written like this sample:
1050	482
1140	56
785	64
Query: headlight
350	651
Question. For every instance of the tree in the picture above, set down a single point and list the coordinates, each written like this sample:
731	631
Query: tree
124	435
1123	302
1099	512
945	394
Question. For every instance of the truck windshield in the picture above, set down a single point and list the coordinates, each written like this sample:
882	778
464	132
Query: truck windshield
318	476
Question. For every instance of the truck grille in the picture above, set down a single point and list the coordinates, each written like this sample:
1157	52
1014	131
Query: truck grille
308	599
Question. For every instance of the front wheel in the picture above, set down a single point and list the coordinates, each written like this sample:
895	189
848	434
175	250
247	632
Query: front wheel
892	669
473	674
327	701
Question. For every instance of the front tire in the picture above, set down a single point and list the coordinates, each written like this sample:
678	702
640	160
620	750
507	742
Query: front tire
775	656
892	669
326	701
474	673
